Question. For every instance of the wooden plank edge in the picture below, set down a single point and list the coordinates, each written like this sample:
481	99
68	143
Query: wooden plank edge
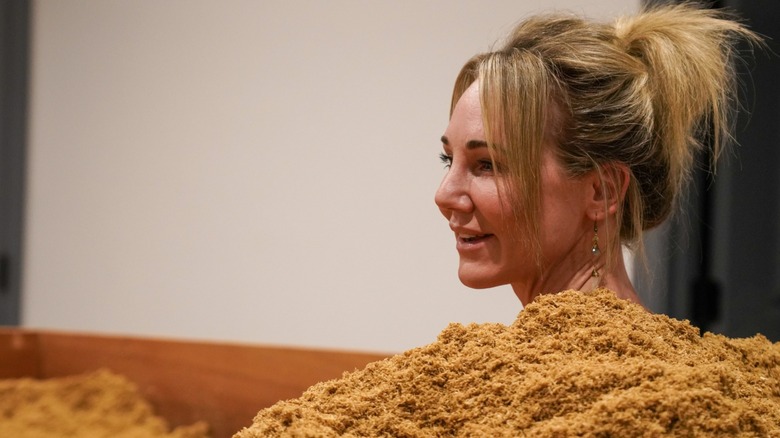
225	384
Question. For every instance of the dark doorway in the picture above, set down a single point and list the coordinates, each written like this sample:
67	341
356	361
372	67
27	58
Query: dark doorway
716	264
14	48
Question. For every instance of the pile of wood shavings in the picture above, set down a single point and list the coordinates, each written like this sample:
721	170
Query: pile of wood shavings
99	404
572	364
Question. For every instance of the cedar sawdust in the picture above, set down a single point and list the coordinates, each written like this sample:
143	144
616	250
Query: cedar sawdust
572	364
95	405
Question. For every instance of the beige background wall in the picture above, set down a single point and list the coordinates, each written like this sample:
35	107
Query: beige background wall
252	171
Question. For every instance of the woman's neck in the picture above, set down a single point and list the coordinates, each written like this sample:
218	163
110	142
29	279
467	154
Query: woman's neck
615	278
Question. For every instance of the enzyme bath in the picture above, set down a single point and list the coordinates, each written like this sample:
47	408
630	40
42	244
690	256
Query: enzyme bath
572	364
95	405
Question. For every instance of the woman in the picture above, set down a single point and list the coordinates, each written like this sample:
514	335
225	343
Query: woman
575	137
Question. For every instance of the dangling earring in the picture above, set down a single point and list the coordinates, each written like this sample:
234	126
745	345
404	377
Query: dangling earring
595	250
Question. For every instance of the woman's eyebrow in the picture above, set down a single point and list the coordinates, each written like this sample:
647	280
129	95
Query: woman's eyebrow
476	144
471	144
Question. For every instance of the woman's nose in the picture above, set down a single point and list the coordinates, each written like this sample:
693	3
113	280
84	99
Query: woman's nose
452	194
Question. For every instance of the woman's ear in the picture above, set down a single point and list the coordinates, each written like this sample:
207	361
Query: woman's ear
609	183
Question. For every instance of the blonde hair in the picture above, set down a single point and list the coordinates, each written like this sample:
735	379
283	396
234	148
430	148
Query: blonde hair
644	91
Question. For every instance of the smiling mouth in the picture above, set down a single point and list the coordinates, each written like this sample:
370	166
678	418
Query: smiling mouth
471	238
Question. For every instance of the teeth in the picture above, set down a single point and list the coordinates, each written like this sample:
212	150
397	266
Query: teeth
470	237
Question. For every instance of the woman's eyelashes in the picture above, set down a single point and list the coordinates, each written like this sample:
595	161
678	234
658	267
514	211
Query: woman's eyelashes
481	166
445	159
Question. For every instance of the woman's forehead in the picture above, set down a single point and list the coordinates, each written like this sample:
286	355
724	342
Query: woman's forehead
466	121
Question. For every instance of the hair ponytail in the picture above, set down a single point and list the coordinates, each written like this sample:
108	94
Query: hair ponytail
689	53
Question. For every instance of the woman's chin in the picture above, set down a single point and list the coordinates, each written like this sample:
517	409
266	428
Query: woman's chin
478	281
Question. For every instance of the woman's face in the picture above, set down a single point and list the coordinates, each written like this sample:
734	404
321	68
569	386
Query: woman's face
469	198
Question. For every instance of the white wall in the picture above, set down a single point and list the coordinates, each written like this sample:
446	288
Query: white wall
252	171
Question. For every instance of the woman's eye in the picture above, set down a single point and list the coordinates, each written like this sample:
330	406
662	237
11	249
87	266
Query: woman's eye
485	165
446	160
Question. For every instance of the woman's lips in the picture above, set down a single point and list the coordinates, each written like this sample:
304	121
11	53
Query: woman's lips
471	241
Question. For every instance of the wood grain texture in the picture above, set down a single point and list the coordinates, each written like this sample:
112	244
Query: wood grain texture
223	384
